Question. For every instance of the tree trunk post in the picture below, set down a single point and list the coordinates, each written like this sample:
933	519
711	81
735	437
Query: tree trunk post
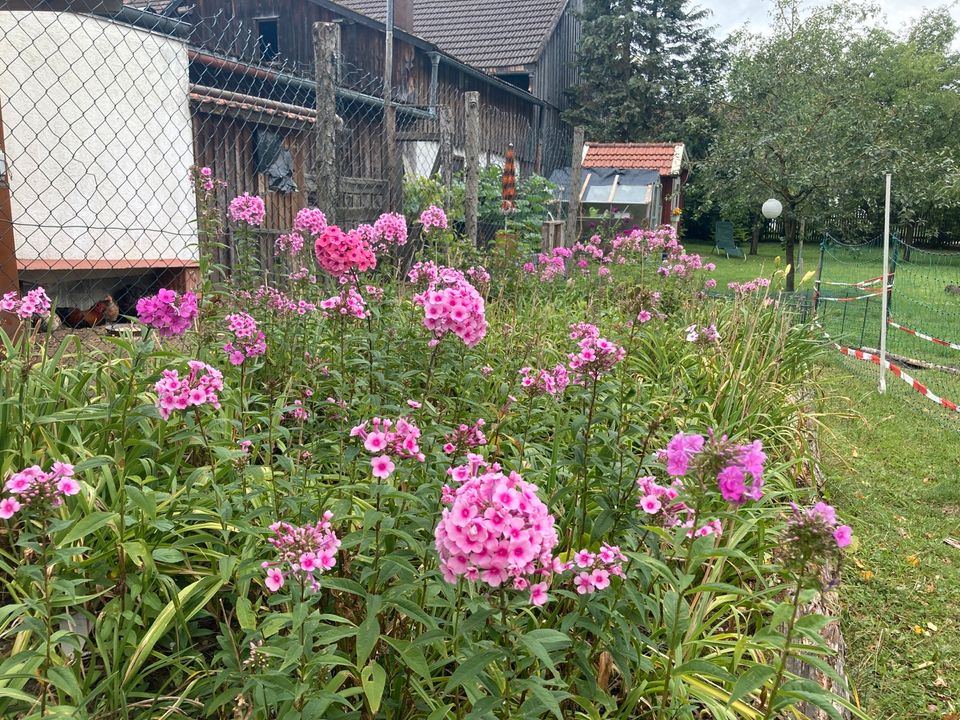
472	152
446	152
391	158
9	274
576	171
755	236
326	44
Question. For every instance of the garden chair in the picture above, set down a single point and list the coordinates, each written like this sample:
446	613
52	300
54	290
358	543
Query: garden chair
723	241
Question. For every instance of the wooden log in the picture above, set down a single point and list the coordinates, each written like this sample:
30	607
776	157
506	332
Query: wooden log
576	170
472	152
326	44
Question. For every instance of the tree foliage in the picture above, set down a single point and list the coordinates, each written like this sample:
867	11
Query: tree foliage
649	70
816	112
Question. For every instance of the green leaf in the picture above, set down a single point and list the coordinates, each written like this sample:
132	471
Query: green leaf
472	667
367	635
197	594
86	525
373	679
750	681
245	615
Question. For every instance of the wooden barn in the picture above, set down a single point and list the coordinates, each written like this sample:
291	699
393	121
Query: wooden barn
252	93
529	43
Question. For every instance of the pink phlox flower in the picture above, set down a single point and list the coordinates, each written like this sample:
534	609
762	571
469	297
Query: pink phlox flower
433	217
199	387
165	314
247	209
303	552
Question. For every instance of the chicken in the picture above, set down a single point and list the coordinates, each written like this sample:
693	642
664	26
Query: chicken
102	312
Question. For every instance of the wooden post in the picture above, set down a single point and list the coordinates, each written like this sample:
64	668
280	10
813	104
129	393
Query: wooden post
391	164
573	209
326	43
9	277
472	152
446	152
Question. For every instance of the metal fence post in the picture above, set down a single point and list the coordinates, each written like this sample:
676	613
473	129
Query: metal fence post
472	152
9	277
573	208
326	41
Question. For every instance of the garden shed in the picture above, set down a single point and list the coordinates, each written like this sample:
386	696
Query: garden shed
668	160
632	196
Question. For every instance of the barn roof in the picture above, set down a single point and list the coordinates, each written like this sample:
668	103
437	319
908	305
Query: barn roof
489	34
667	158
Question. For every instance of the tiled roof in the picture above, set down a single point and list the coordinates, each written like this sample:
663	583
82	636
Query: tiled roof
487	34
665	157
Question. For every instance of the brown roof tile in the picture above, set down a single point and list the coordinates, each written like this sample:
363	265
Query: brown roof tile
667	158
487	34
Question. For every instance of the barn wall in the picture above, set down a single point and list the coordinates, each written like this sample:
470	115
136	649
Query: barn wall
98	138
556	69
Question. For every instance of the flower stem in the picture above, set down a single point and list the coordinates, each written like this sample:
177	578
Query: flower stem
785	655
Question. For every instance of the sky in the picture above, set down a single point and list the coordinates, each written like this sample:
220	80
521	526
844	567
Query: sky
729	15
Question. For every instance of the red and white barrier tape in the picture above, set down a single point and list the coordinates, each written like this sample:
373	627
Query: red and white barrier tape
924	336
896	370
872	293
862	284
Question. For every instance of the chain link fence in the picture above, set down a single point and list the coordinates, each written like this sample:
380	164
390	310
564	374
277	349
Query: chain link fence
104	120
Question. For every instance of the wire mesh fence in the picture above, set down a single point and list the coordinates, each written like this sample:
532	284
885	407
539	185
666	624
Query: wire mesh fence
923	293
104	121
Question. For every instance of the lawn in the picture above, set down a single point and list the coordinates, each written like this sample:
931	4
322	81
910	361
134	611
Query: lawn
892	472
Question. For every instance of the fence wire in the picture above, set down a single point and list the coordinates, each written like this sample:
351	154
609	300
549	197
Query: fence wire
104	121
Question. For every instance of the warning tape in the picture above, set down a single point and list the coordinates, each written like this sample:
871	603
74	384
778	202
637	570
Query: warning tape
862	284
873	293
896	370
924	336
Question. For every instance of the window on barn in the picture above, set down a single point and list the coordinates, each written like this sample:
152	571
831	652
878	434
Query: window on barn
268	37
520	80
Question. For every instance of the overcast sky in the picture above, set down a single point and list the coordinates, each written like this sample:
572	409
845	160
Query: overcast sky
732	14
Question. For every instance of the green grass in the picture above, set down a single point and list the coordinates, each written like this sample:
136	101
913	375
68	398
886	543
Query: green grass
892	474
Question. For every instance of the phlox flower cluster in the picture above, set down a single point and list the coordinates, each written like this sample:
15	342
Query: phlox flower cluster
34	303
309	221
429	273
168	316
749	286
274	300
660	501
638	242
389	439
290	243
199	387
304	553
811	538
248	340
465	437
730	464
389	230
202	178
703	334
339	252
247	209
497	530
34	488
303	274
550	265
544	381
433	217
596	355
683	265
299	412
347	303
583	253
594	570
453	306
478	275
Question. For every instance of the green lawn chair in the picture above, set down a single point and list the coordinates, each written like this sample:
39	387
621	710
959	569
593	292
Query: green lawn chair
723	241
